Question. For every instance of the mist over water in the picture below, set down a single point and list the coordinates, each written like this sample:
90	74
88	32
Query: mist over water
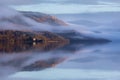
81	61
89	62
101	24
10	22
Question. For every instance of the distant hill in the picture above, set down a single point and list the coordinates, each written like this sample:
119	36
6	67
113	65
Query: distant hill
20	25
44	18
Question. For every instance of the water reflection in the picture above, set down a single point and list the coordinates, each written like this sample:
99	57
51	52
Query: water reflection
61	56
8	47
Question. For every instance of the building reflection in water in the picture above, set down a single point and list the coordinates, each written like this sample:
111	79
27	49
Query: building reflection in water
15	57
35	56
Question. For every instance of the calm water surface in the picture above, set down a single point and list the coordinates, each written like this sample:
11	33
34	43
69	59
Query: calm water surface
64	62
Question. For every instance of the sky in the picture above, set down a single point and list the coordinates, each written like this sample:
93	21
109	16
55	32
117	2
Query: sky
21	2
64	6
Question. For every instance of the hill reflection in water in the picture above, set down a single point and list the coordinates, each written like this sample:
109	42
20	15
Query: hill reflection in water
8	47
36	56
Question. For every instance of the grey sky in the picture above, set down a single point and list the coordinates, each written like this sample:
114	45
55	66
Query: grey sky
63	6
16	2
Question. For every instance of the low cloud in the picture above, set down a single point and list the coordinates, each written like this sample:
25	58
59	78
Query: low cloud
11	19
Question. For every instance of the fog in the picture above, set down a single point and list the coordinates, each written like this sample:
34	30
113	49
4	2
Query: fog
88	24
101	24
17	21
94	62
86	62
12	19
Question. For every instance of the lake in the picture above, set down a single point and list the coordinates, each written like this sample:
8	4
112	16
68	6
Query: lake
66	62
83	61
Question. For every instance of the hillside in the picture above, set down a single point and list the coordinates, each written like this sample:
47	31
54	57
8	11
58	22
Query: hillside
19	29
16	41
44	18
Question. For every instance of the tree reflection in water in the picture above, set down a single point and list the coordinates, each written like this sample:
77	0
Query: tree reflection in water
16	57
